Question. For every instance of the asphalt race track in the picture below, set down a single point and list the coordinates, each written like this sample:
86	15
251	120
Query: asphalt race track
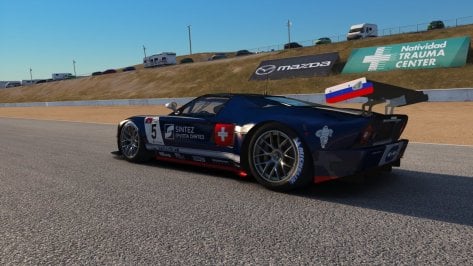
64	199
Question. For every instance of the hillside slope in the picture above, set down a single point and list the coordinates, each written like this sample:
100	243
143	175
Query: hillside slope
231	75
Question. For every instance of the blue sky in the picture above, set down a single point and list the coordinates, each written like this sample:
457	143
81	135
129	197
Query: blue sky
47	35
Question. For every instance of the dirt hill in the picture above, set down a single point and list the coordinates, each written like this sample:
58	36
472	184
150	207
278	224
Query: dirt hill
232	74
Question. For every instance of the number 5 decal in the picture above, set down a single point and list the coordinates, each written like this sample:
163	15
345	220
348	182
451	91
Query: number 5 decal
153	130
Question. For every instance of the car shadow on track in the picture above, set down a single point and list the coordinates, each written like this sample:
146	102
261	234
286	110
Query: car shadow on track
190	169
439	197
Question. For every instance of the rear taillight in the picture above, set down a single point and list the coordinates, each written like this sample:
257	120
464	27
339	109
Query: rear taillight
366	135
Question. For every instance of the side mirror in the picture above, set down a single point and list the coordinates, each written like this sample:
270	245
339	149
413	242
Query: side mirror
172	106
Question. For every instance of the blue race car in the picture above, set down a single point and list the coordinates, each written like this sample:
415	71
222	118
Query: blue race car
283	143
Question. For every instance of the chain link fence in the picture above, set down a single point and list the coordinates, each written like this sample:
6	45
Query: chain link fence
420	27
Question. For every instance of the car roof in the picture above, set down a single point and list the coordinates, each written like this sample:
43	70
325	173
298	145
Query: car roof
229	95
243	95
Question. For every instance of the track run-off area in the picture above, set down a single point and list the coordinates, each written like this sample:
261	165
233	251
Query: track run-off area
65	199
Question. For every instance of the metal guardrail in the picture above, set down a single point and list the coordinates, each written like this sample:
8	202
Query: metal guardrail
435	95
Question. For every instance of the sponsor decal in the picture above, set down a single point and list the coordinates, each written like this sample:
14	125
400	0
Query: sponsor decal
179	156
172	132
165	148
348	90
220	161
324	134
198	159
224	134
169	131
199	152
300	163
305	66
450	52
391	153
164	154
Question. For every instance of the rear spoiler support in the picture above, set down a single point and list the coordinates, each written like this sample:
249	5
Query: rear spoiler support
388	108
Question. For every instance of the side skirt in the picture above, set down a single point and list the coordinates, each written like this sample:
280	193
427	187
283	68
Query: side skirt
234	169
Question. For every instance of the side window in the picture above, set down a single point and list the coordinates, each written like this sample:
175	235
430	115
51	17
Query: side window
204	107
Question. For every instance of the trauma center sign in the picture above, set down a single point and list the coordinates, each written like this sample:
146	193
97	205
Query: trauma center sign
450	52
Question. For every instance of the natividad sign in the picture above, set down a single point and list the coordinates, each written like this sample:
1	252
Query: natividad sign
450	52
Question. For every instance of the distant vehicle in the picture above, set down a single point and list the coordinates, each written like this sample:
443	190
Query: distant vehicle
109	71
130	68
436	24
218	56
243	52
62	76
27	82
292	45
97	73
187	60
323	40
361	31
162	59
9	84
12	84
43	81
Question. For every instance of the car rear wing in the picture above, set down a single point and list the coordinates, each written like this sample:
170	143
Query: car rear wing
376	93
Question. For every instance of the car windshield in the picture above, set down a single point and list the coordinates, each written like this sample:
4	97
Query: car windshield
356	30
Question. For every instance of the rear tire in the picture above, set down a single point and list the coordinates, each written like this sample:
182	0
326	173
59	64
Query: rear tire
131	145
278	159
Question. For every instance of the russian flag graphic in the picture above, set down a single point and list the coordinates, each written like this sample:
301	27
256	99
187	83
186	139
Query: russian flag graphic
348	90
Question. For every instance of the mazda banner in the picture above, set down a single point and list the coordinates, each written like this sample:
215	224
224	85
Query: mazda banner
302	66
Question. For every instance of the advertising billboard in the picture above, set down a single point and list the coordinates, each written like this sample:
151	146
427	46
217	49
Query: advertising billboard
302	66
450	52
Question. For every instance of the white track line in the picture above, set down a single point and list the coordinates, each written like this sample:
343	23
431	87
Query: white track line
441	144
59	120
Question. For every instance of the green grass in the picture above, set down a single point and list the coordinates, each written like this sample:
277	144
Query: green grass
231	75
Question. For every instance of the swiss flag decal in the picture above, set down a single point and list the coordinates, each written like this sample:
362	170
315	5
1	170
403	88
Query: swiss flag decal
223	134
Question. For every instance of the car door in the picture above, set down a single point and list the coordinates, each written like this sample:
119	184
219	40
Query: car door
190	132
186	131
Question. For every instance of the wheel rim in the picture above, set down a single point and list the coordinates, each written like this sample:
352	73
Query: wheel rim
129	140
275	156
